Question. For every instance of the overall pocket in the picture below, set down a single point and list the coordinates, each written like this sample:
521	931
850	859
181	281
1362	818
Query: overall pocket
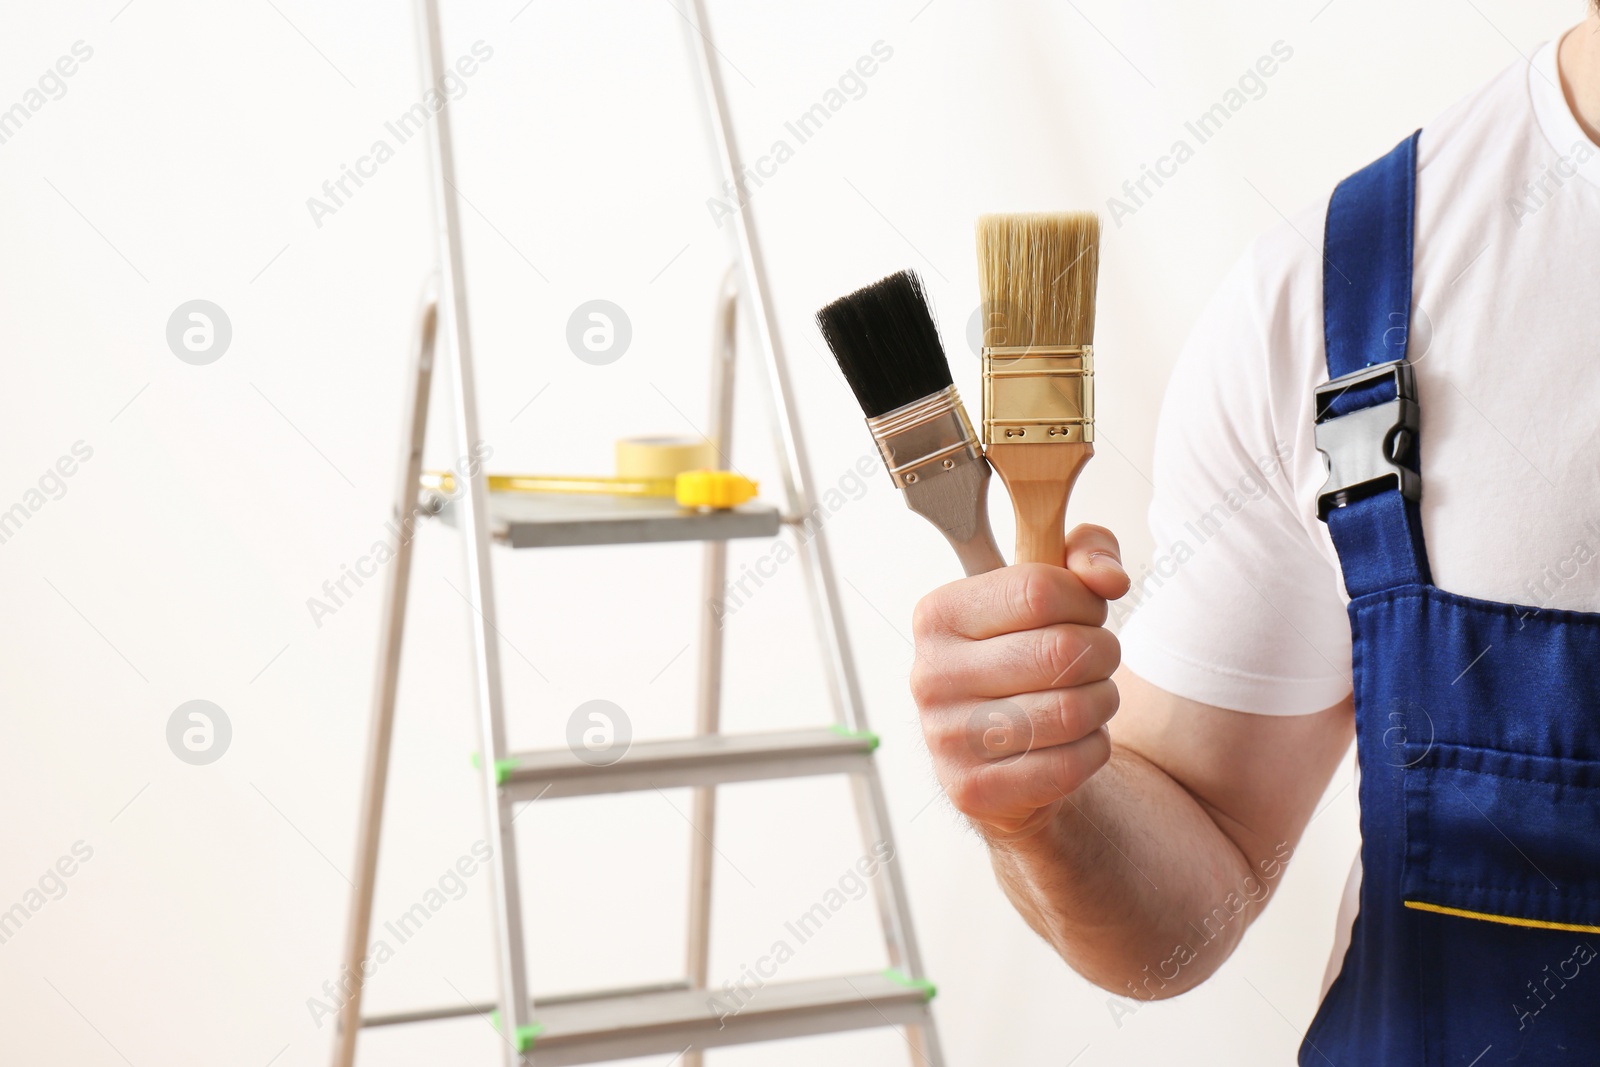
1504	837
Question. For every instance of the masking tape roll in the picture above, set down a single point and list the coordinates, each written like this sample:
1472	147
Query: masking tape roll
662	457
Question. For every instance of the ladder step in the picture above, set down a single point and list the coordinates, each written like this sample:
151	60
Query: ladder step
457	1011
714	759
555	520
667	1021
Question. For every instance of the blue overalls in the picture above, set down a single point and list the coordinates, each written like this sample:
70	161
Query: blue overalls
1477	724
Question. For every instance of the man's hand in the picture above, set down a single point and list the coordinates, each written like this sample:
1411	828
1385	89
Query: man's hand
1013	679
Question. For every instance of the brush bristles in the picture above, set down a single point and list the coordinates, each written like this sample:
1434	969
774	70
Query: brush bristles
887	343
1037	275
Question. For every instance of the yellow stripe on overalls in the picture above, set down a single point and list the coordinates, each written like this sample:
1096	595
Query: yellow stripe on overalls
1508	920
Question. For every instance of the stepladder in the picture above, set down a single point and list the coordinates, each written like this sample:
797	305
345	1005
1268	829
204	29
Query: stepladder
684	1017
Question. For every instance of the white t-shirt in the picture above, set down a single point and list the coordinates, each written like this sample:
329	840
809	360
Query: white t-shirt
1243	606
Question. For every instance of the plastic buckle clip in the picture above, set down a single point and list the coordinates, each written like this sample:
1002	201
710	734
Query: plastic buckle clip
1368	449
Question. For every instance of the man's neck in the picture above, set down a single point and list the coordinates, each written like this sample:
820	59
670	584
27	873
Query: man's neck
1580	74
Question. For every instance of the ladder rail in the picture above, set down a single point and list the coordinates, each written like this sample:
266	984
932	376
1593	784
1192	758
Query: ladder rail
380	732
871	803
505	891
708	714
844	689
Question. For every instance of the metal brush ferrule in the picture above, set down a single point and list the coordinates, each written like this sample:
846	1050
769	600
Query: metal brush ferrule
1038	394
925	437
935	460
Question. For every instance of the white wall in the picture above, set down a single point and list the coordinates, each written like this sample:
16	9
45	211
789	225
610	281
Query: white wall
178	562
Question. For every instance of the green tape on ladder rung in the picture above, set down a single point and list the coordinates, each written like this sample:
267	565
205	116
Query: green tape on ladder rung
898	977
502	767
525	1034
871	738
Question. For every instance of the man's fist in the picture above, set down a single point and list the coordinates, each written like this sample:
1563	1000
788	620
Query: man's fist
1013	680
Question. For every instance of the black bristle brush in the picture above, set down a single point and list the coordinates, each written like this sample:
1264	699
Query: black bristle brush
887	343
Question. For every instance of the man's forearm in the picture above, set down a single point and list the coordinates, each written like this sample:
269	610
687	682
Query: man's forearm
1133	883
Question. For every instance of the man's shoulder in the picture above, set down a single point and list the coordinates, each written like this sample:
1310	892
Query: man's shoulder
1279	276
1495	113
1282	269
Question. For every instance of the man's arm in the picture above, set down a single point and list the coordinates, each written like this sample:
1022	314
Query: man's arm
1140	852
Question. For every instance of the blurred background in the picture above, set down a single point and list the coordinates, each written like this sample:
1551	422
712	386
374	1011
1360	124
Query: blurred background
208	504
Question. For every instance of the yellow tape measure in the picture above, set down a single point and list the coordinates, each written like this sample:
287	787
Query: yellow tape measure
713	489
691	489
671	467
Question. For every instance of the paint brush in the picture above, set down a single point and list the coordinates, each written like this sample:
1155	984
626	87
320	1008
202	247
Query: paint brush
887	344
1037	273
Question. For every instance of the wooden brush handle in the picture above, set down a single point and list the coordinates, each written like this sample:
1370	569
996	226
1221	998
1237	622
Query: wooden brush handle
1040	479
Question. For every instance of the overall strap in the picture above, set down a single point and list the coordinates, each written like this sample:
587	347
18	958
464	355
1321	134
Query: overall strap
1367	414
